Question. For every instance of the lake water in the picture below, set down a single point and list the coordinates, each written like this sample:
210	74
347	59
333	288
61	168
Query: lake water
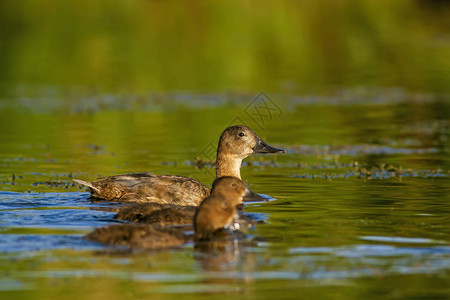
361	205
357	93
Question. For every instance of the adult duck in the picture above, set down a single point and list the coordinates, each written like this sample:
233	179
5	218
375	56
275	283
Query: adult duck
236	143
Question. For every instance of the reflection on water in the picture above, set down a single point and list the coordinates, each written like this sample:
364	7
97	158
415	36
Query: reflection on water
226	253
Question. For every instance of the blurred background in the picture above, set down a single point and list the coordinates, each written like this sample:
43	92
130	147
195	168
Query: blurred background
295	47
98	86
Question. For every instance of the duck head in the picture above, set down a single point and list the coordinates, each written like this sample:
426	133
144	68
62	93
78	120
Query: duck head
234	191
240	141
236	143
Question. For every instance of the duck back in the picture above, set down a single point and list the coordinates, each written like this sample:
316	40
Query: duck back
158	214
145	187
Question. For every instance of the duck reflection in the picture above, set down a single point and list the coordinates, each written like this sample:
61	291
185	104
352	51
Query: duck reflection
224	253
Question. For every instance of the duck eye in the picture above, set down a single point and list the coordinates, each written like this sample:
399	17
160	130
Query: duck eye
233	184
241	134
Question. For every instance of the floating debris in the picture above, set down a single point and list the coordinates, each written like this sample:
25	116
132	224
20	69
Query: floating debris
59	183
373	173
353	150
95	101
200	163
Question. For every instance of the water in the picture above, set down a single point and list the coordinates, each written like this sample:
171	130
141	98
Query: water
356	92
362	204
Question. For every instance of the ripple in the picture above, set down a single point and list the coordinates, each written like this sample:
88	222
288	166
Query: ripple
363	250
13	200
358	150
390	239
13	285
55	217
13	243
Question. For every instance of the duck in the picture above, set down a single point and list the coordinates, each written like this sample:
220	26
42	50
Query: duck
177	215
157	214
170	214
235	143
215	214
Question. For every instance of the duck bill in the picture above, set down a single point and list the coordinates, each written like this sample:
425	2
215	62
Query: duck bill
263	147
251	196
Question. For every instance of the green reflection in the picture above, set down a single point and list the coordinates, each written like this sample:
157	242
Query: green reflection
297	46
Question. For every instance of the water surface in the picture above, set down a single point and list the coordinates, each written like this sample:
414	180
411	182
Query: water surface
361	211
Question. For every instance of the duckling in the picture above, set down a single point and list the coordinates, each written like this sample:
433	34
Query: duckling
216	212
236	143
158	214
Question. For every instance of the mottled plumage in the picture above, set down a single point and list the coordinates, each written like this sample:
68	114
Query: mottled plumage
145	187
158	214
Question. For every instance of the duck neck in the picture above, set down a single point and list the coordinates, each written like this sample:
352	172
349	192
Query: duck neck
226	165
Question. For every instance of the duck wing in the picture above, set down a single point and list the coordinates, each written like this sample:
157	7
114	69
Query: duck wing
145	187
